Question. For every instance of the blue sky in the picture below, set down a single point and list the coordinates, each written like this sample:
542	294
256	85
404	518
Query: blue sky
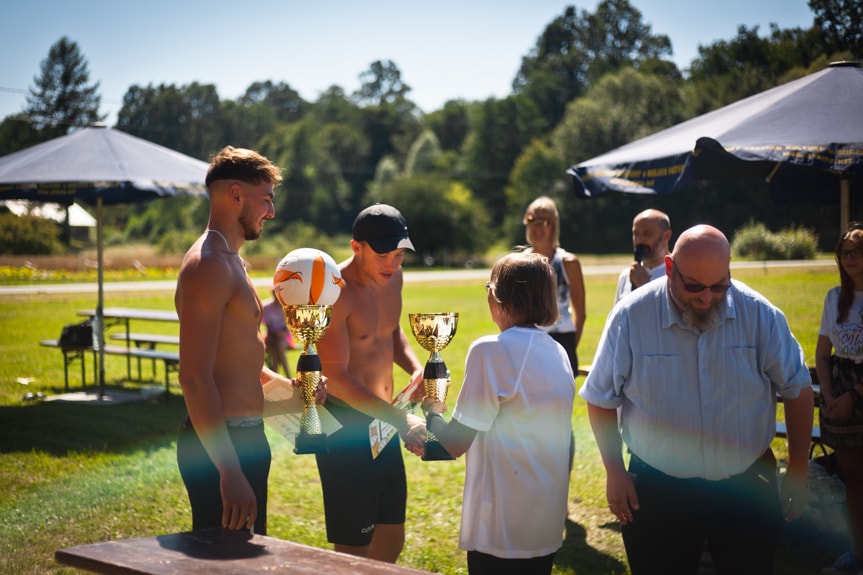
445	50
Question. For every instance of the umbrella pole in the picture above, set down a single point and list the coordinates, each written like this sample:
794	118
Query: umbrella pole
844	204
99	335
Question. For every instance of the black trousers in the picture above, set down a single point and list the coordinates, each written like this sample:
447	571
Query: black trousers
567	340
202	478
479	563
740	518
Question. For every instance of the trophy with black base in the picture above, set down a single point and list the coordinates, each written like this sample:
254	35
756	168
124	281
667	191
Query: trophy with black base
434	331
308	324
307	282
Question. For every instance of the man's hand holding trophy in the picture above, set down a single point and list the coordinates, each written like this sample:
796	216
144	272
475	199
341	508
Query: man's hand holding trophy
307	282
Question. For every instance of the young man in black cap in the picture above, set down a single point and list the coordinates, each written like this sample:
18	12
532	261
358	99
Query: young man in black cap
365	495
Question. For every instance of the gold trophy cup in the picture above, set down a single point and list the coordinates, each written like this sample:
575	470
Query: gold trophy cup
434	331
308	324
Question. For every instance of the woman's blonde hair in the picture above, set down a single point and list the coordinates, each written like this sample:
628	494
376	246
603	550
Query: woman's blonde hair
545	206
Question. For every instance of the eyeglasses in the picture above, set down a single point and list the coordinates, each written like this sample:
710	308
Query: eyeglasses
534	221
854	254
698	288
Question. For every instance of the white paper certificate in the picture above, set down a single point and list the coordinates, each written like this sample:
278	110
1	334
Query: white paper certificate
380	432
288	424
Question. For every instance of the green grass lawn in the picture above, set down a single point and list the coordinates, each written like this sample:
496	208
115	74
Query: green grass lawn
77	474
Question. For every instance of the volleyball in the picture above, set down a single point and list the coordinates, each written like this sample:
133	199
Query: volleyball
307	276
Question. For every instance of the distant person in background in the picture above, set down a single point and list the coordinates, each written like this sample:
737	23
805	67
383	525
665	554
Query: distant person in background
651	232
543	235
513	418
278	337
840	374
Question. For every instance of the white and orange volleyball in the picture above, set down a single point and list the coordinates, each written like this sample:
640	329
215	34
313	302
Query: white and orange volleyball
307	276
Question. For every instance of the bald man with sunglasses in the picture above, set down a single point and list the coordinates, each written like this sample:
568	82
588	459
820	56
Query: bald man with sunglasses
695	362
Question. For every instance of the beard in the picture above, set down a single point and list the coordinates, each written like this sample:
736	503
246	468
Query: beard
250	229
695	318
650	250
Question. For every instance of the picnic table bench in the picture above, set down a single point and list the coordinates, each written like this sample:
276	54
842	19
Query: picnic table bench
171	359
815	441
138	345
70	355
219	552
782	431
147	341
123	316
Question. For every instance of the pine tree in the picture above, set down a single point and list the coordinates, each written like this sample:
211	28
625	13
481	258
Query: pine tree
62	98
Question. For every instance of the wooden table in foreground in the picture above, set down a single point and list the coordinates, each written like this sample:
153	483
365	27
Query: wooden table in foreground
218	552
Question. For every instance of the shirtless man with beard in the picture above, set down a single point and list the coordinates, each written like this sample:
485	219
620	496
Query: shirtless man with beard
222	452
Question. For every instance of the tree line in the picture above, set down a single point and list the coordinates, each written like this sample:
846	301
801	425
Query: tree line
463	174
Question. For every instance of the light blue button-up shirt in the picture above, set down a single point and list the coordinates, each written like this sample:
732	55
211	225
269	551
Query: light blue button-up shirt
696	404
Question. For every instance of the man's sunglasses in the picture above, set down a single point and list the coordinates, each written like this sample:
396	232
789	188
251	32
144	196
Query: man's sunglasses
698	288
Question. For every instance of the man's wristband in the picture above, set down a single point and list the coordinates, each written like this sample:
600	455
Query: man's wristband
431	415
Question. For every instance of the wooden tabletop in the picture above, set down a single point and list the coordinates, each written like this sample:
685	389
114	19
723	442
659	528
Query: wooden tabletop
218	552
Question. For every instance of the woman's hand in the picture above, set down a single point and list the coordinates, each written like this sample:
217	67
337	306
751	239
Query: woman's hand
840	408
429	405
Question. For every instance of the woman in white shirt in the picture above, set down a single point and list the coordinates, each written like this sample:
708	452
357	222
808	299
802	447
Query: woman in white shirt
839	364
513	418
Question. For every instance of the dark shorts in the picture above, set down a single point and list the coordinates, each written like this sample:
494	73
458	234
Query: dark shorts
844	433
202	478
567	340
359	491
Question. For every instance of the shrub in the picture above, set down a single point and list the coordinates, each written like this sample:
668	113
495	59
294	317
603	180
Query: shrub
28	235
799	243
175	242
755	241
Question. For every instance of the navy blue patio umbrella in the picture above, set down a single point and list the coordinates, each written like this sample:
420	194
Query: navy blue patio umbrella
805	138
99	166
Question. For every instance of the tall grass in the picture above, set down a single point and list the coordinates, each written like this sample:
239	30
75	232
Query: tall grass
76	474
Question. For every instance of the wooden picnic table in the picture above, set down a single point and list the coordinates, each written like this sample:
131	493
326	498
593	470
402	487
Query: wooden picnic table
124	316
218	552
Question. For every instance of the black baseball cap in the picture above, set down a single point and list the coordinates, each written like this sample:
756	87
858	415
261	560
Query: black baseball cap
383	227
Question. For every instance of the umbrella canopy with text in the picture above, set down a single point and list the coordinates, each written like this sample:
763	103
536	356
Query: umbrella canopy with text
805	138
99	163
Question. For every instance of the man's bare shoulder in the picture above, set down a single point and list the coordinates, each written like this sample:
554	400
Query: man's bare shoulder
203	275
353	281
201	263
